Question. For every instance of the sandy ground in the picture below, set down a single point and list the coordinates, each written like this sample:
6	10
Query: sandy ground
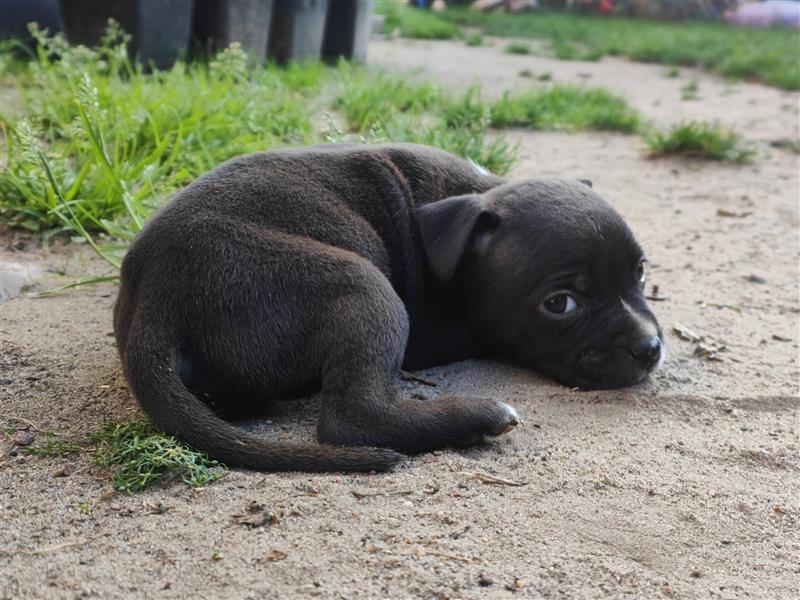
685	486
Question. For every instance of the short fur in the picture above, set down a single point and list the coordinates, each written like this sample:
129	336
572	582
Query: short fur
331	267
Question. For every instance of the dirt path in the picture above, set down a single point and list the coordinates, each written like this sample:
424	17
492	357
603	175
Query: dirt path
686	486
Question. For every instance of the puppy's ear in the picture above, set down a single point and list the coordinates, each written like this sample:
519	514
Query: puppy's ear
587	182
446	228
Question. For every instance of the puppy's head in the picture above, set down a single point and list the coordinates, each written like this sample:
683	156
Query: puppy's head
552	277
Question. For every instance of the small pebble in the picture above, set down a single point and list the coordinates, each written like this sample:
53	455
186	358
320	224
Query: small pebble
64	471
23	438
484	581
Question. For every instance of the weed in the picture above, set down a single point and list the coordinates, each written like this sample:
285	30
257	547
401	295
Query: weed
463	129
53	446
391	109
142	456
84	508
458	130
690	91
474	39
769	55
700	140
138	454
527	73
672	72
365	99
106	143
416	23
545	77
459	125
565	107
565	50
792	146
517	48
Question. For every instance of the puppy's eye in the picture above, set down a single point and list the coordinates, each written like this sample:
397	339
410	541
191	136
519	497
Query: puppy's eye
640	274
560	304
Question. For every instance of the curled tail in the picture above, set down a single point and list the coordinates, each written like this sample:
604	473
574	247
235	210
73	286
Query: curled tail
151	371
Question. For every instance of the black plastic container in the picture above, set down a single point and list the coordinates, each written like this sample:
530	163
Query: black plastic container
218	23
160	28
16	14
347	30
298	27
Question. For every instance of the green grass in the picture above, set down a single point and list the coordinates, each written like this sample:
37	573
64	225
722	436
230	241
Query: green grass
517	48
380	108
52	446
566	50
102	144
103	139
415	23
137	455
699	140
474	39
140	456
565	107
365	98
768	55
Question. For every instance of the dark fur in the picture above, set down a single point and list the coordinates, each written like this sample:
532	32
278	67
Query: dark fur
330	267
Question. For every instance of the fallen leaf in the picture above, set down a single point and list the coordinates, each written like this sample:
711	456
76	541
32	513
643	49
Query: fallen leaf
276	555
686	333
258	518
708	351
155	508
64	470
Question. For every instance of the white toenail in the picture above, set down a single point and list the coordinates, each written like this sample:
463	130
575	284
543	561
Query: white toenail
510	411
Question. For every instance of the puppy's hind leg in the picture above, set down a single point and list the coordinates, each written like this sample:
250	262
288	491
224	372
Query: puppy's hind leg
362	346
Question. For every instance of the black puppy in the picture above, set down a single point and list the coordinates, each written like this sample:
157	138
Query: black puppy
332	267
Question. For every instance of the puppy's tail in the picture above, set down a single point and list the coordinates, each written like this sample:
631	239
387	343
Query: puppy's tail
159	389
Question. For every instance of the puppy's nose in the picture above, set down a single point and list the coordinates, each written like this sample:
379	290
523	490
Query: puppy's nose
647	349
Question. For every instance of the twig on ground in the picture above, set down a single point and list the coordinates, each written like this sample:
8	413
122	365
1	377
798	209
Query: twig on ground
62	546
361	495
491	479
451	556
30	424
